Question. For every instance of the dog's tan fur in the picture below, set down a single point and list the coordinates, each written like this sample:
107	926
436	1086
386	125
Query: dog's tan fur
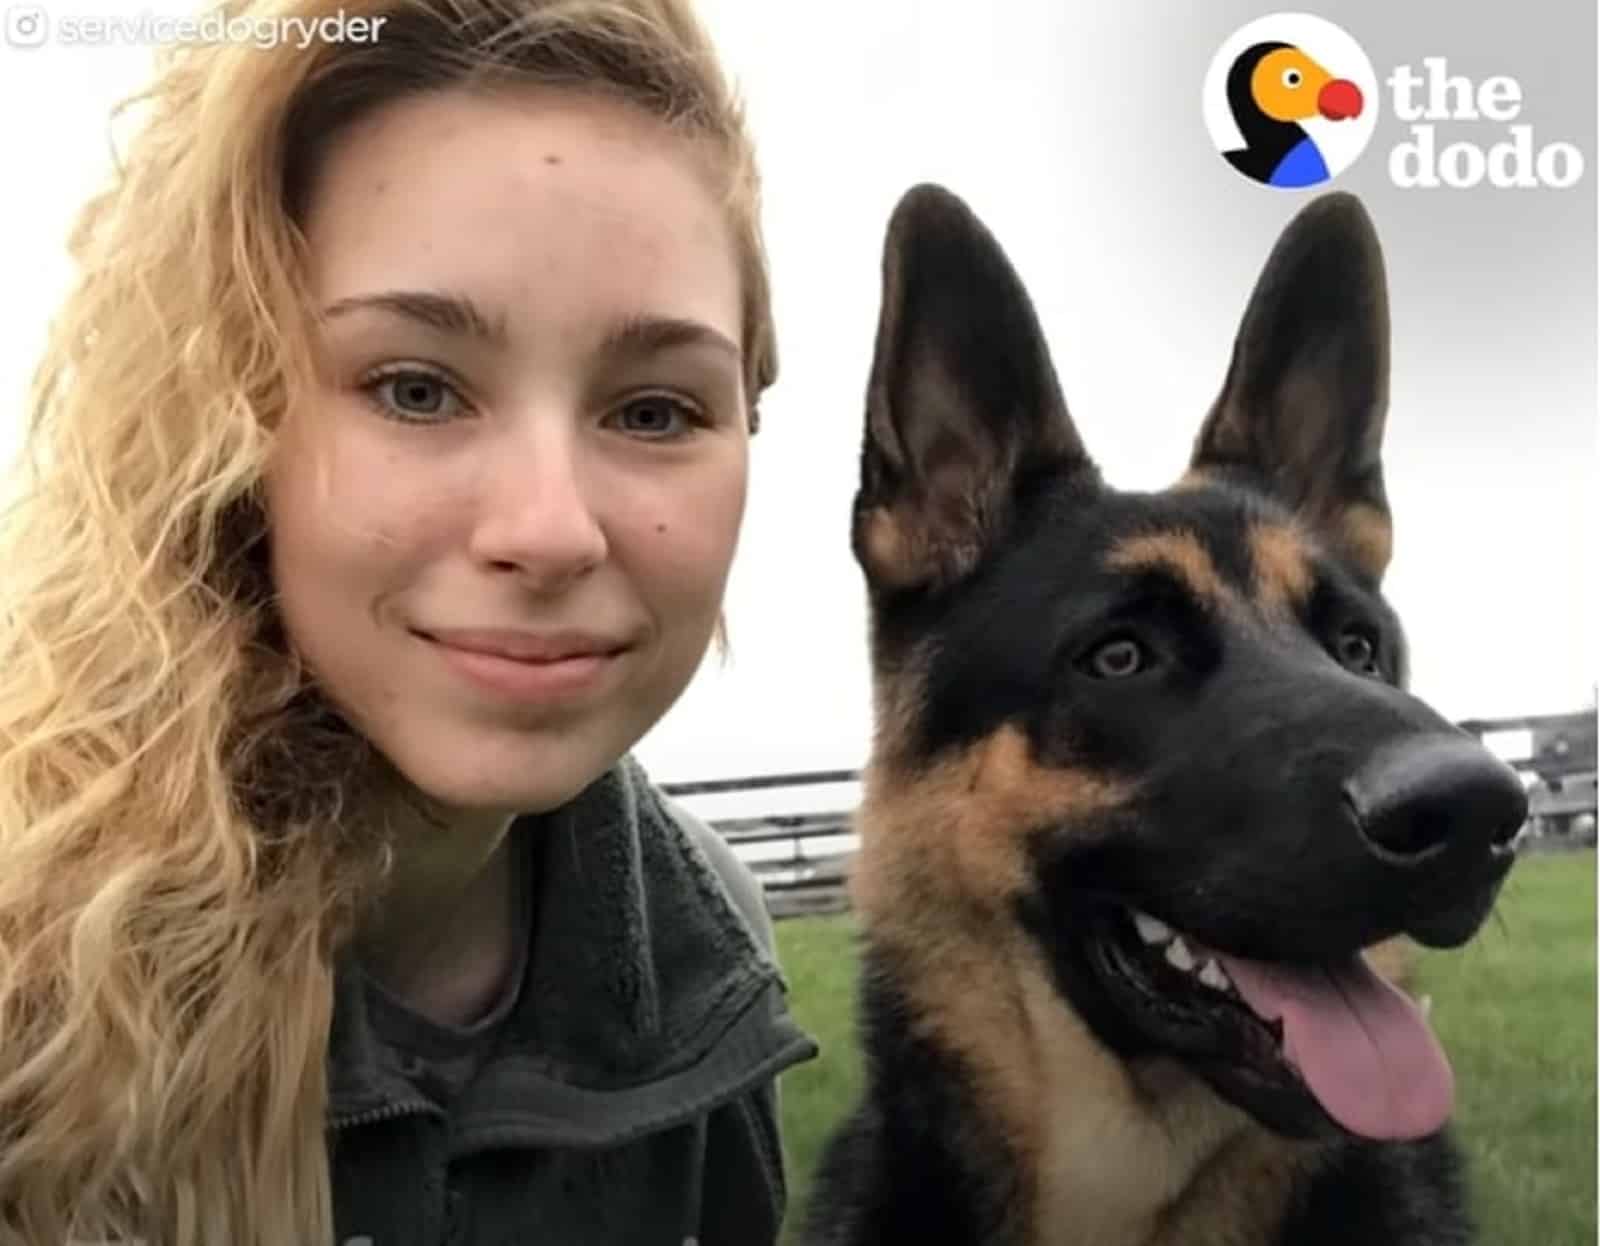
942	859
1180	554
1366	534
1282	567
906	554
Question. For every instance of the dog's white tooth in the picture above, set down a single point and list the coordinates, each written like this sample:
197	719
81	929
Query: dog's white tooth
1211	974
1179	956
1151	929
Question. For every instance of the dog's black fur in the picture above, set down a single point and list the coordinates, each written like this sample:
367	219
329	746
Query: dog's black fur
1190	704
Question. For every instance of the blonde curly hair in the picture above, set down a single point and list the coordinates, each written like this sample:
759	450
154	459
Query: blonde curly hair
187	834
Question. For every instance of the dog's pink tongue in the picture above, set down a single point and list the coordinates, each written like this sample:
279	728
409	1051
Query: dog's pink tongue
1359	1043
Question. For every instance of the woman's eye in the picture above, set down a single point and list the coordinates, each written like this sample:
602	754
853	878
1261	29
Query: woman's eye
656	416
415	396
1357	649
1117	659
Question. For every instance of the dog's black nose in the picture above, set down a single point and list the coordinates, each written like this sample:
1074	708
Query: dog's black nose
1418	794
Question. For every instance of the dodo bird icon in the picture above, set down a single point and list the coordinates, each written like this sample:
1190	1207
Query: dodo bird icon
1272	88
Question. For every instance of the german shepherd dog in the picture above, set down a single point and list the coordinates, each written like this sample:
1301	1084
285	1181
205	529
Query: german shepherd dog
1145	783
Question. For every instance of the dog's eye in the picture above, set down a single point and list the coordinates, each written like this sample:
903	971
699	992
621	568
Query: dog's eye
1117	659
1357	649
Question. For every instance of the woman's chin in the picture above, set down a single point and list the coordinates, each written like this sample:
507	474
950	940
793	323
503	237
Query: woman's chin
470	792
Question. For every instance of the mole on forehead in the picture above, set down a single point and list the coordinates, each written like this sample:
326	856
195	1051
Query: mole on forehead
1179	554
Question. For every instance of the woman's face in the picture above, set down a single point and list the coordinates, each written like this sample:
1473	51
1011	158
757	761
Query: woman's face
501	533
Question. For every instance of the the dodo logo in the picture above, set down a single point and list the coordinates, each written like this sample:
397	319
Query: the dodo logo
1290	100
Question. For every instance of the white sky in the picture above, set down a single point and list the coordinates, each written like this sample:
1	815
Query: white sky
1138	280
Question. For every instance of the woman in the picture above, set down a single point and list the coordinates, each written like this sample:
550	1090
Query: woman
387	462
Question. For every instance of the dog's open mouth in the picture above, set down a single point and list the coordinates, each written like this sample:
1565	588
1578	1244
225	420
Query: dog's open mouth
1276	1038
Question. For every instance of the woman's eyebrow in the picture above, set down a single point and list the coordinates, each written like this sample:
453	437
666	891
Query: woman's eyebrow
647	335
458	314
448	313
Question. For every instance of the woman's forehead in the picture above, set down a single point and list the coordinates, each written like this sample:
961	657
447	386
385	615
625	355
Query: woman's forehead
551	202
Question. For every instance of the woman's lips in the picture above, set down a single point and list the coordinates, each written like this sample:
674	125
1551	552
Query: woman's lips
525	645
575	670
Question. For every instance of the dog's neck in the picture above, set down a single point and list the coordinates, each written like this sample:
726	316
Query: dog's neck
1112	1153
1109	1154
1123	1149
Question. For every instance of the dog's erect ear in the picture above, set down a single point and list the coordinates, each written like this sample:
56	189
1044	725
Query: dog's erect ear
1302	409
961	401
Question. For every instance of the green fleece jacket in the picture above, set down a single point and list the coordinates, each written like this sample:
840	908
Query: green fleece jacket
624	1094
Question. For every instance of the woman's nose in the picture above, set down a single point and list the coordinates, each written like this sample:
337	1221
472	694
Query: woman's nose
537	512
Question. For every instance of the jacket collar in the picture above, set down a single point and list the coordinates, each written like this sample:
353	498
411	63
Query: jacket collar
645	993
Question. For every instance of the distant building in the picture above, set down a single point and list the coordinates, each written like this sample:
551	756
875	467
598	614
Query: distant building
1560	769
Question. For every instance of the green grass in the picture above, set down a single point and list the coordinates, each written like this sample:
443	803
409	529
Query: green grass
1515	1009
819	961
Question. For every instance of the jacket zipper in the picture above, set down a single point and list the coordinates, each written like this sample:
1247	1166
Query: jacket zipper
388	1111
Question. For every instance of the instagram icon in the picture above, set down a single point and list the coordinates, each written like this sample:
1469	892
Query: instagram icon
27	25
